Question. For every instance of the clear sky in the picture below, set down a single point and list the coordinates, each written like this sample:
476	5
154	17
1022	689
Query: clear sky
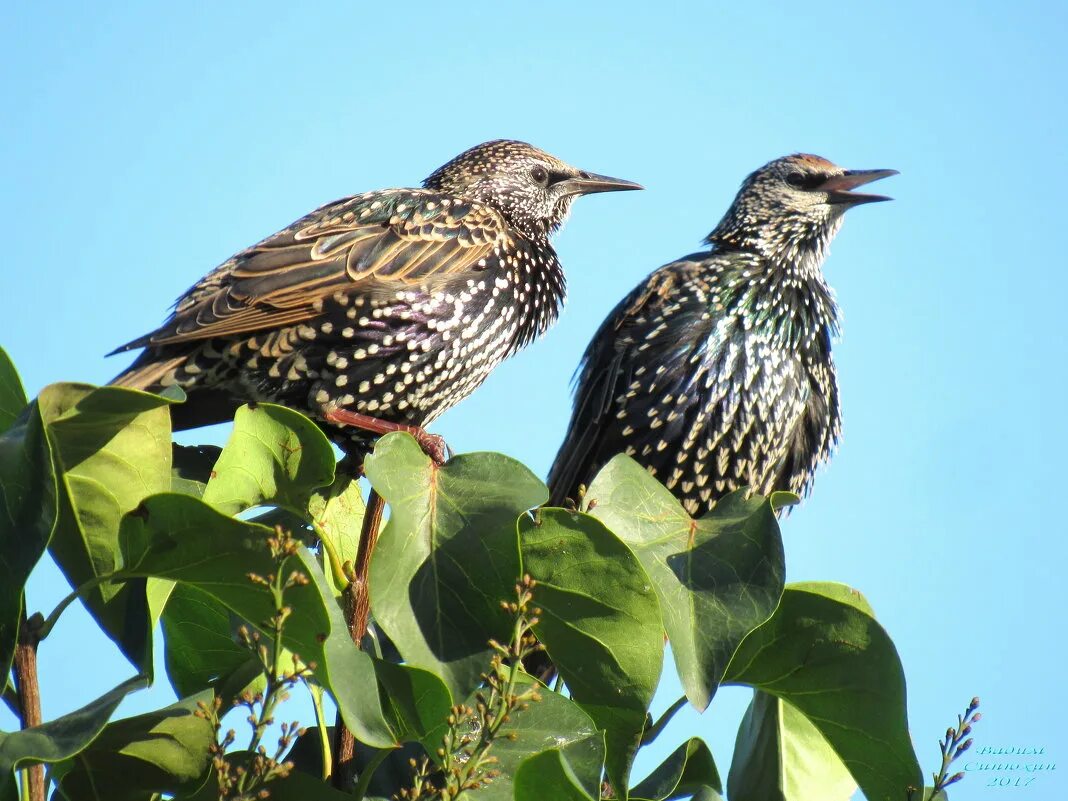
141	146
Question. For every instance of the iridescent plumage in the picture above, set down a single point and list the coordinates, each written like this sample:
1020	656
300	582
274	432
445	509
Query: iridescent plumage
716	372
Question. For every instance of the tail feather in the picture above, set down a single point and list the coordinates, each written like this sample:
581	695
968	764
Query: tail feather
148	374
202	407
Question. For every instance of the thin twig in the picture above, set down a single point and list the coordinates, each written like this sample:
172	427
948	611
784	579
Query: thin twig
654	730
29	691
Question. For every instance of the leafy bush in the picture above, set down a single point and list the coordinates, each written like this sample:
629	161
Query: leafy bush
243	556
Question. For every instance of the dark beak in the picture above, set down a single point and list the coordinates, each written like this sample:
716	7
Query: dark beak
587	183
838	188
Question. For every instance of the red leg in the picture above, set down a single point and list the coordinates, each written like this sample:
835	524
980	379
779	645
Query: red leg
432	444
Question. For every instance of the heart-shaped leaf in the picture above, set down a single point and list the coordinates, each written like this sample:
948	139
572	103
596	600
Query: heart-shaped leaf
338	512
600	624
448	556
717	578
274	455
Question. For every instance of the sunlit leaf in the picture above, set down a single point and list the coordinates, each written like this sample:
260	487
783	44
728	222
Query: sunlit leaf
824	653
781	756
338	512
62	738
274	454
717	578
448	555
600	624
112	448
164	751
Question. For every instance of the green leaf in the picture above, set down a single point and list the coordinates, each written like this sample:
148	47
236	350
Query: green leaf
112	448
825	654
274	455
717	578
191	467
553	723
600	624
338	512
12	395
415	700
28	513
63	737
448	556
179	538
164	751
688	770
548	775
200	648
781	756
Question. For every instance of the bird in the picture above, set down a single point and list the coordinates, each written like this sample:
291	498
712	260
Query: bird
380	311
715	373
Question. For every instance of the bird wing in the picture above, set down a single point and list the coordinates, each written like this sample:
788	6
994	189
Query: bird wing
606	371
396	237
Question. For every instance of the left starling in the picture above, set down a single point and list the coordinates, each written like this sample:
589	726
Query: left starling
380	310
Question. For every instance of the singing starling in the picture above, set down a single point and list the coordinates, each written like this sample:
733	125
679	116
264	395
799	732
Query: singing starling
715	373
380	310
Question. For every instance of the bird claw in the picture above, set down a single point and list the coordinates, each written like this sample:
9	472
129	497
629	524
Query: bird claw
433	445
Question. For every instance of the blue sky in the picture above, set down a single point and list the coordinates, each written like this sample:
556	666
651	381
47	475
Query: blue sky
141	146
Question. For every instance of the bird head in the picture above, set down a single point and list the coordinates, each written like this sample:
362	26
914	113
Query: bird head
533	190
793	205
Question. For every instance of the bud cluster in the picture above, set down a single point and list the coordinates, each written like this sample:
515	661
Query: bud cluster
242	777
955	743
464	761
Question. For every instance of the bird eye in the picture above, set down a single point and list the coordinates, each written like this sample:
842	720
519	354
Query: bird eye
539	174
796	179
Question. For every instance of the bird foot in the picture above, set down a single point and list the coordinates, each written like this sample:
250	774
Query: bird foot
433	445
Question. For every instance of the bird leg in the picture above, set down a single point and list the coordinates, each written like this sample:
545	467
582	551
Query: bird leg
433	445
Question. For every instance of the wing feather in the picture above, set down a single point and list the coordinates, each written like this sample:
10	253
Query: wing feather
400	236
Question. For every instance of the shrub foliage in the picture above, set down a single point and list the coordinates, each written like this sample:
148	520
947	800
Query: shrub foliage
241	555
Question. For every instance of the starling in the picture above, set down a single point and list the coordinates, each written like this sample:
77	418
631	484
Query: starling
715	373
380	310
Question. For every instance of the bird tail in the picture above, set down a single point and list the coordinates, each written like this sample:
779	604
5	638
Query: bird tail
148	374
203	407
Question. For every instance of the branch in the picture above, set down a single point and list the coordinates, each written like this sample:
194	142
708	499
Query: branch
29	692
357	612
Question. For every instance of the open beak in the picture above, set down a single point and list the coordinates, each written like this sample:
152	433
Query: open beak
587	183
838	188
